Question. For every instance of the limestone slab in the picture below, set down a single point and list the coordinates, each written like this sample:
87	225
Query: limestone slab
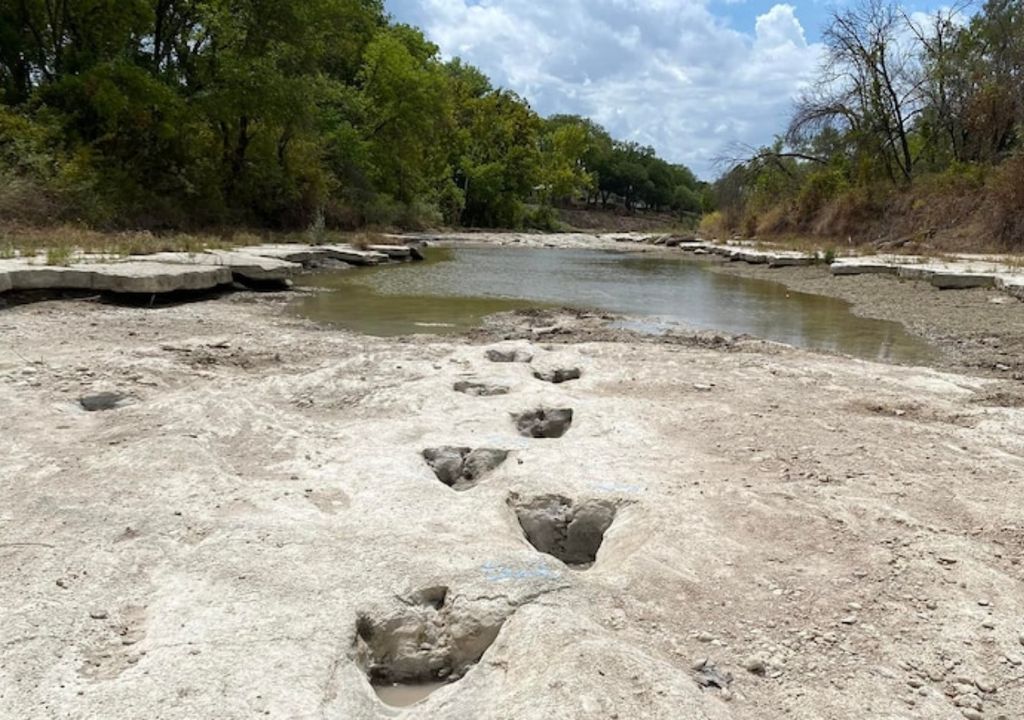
857	267
395	252
962	281
249	266
298	253
147	277
351	255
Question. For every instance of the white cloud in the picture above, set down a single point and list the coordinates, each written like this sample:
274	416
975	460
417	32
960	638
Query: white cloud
668	73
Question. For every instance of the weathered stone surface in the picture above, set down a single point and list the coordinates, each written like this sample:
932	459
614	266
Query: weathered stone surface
852	266
5	281
351	255
248	516
509	355
558	375
303	254
544	422
25	275
102	402
480	389
153	278
247	265
570	531
791	260
461	468
1012	285
962	281
141	276
395	252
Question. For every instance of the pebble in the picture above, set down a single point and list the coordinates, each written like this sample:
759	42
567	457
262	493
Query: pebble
984	603
849	620
705	637
972	714
985	685
755	665
98	614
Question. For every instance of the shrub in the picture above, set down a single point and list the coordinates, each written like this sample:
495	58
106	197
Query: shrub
543	217
419	215
713	225
820	187
1005	211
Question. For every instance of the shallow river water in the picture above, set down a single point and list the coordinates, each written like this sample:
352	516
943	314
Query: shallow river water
456	287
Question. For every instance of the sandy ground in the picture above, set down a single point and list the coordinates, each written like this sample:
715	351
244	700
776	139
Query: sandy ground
808	536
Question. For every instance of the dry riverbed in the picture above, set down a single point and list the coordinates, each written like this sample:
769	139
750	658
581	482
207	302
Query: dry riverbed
718	529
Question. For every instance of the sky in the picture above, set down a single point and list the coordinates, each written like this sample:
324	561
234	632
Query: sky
692	78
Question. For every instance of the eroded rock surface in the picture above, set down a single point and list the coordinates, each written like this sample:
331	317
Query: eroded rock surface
461	468
480	389
509	355
547	423
570	531
558	375
436	637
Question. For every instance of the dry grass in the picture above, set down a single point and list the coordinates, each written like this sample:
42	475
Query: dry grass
65	241
364	240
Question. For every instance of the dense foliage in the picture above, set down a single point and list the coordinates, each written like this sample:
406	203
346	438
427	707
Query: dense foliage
902	108
171	113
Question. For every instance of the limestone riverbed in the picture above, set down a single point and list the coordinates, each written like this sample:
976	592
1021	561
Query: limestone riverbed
701	527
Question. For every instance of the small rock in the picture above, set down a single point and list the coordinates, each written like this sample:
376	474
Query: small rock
986	685
755	665
947	560
101	402
509	356
702	388
705	637
849	620
708	675
98	614
479	389
972	714
557	376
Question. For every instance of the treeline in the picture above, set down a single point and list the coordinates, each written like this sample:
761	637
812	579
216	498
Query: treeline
186	113
912	130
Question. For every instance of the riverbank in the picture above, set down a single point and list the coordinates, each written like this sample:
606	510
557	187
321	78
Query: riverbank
974	330
977	329
253	524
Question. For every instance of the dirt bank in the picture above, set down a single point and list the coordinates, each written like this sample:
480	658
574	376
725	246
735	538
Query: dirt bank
735	530
978	330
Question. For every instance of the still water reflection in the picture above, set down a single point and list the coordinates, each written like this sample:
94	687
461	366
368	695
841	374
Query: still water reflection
456	287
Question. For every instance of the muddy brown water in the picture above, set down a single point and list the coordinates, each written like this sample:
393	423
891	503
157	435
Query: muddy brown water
455	288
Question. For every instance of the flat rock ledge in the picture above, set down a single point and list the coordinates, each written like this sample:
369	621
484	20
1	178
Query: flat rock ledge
167	272
963	272
959	273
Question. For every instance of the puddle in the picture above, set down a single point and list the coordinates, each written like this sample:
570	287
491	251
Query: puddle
455	288
406	695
